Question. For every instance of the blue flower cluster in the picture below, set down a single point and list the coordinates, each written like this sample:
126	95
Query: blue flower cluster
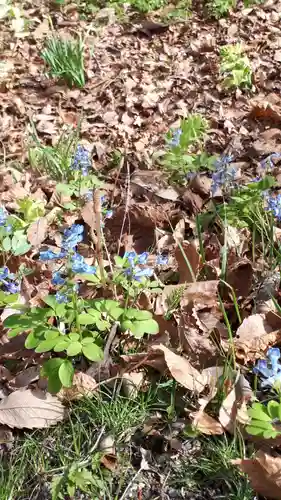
175	141
274	205
71	237
82	160
224	175
3	216
268	162
269	368
8	281
134	271
162	259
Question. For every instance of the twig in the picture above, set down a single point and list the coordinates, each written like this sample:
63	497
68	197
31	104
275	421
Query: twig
128	196
97	210
109	341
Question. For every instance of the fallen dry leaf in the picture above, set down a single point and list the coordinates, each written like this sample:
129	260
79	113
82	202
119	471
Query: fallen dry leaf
31	410
182	371
254	336
206	424
233	410
264	472
25	377
83	386
239	277
37	232
187	252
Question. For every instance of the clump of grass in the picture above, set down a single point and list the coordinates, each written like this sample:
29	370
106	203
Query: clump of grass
65	59
213	468
235	67
220	8
67	458
54	161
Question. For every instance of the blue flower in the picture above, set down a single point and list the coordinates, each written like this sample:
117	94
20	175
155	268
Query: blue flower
137	273
50	255
8	228
72	236
270	369
78	265
12	287
81	161
61	298
57	279
268	161
108	214
88	196
274	205
134	258
176	135
224	175
9	281
3	216
162	260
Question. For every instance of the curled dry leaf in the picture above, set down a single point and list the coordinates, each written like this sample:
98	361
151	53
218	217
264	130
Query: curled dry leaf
206	424
234	408
83	385
240	276
254	336
264	473
182	371
187	252
31	410
201	293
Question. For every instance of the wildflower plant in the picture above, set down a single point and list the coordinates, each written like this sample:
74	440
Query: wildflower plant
235	67
76	326
65	59
220	8
266	418
224	175
180	160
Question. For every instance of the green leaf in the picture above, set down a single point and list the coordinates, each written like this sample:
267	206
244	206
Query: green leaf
74	336
66	372
92	352
102	325
142	315
50	366
74	348
89	277
64	189
119	261
259	412
9	299
51	301
110	304
126	325
7	244
54	383
60	310
257	427
62	345
16	320
31	341
51	334
87	340
87	319
14	332
273	409
116	312
46	345
139	328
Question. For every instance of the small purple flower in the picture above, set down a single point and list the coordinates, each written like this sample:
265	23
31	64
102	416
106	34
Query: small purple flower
131	257
81	161
176	136
72	236
12	287
50	255
162	260
61	298
270	369
224	175
268	161
57	279
142	257
3	216
274	205
8	228
88	196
